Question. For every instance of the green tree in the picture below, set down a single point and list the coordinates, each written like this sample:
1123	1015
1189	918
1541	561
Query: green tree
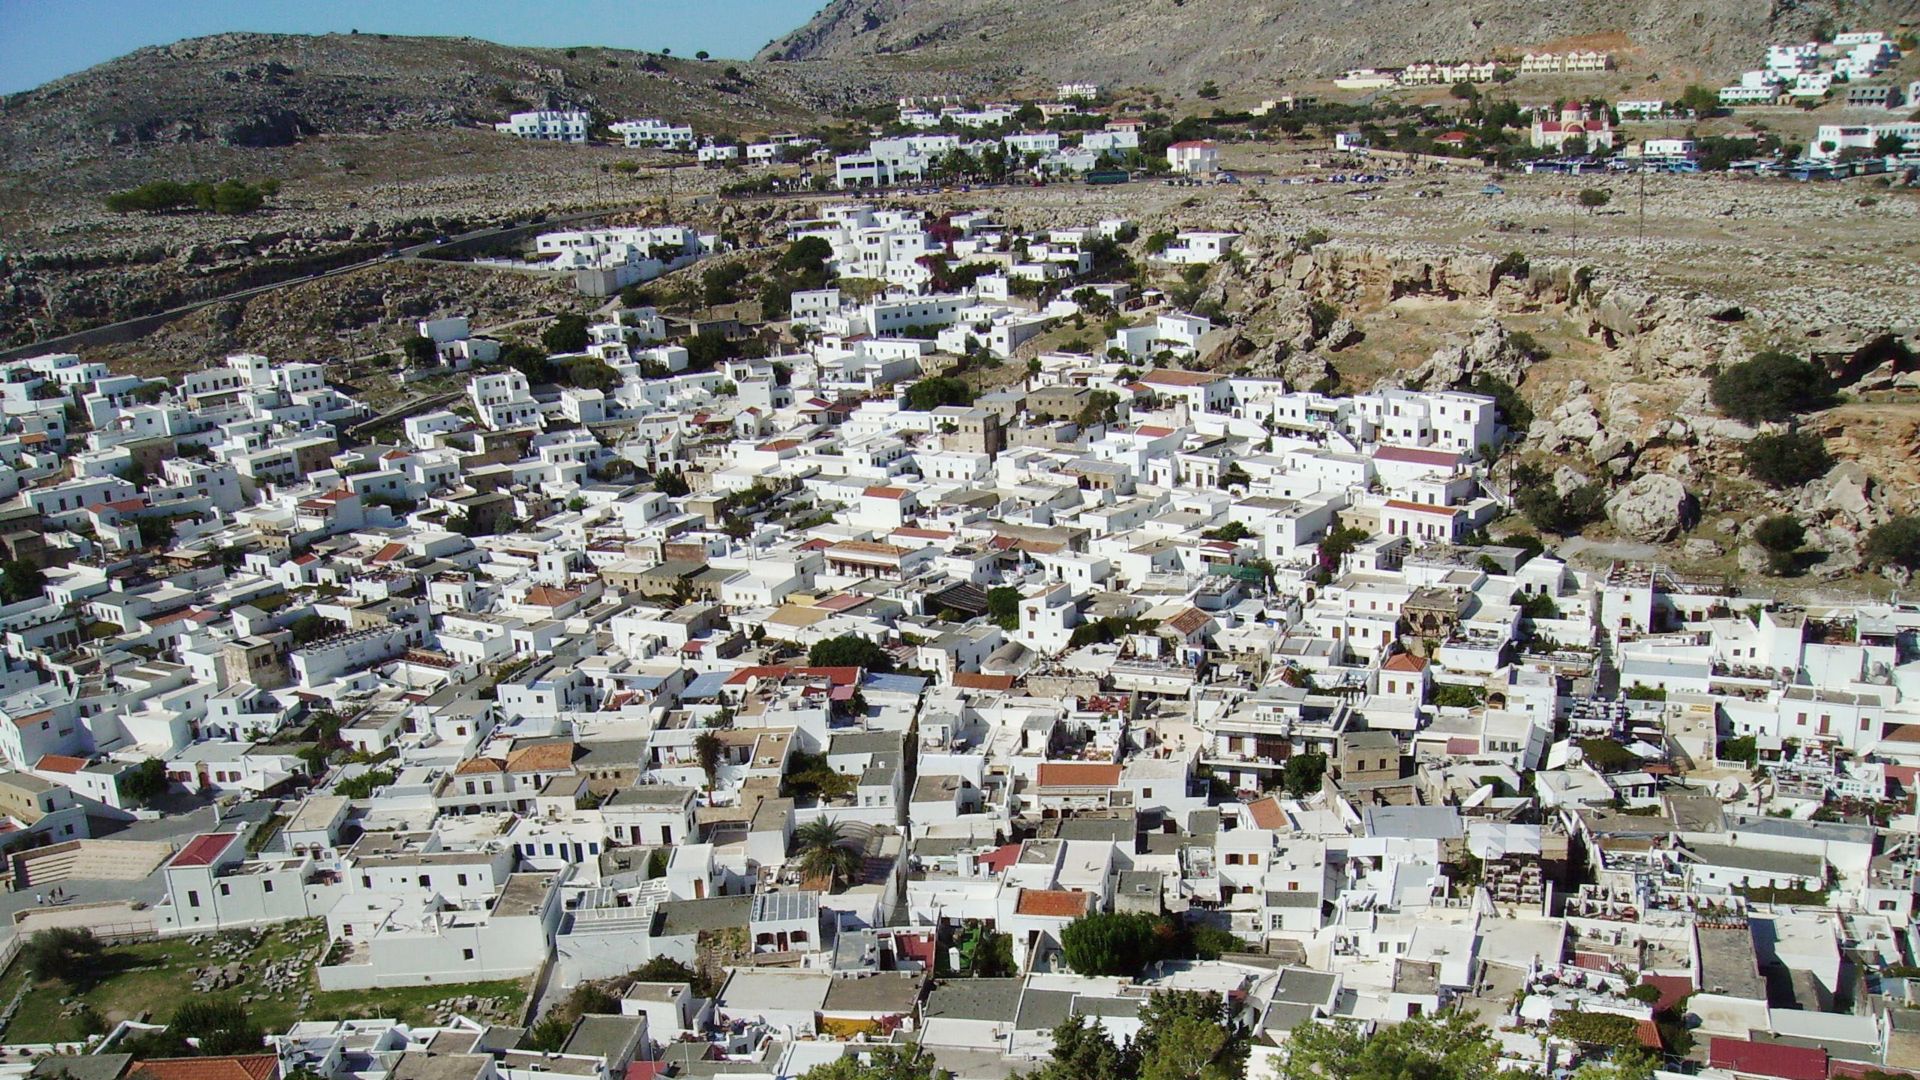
1780	536
850	650
1302	775
1594	198
882	1063
1111	943
709	748
20	580
567	333
71	954
222	1026
420	351
1338	544
1788	459
1772	386
1895	543
365	784
592	373
822	848
310	628
1082	1050
1450	1046
146	782
1003	607
930	394
550	1033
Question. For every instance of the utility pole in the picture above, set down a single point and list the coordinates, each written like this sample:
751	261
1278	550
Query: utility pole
1643	203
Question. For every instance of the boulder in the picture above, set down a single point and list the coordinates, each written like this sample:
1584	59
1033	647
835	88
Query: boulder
1702	548
1652	509
1566	478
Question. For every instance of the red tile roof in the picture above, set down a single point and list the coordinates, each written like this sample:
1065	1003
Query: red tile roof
1053	903
1000	858
389	553
236	1067
1422	508
60	763
973	680
1768	1059
1266	813
1076	774
204	850
1413	455
549	597
1673	989
1170	377
878	492
1404	662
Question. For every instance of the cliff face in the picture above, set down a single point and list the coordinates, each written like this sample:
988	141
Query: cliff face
1180	42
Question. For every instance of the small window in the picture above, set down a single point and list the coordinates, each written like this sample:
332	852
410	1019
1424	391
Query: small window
193	898
463	879
226	889
425	882
466	954
266	886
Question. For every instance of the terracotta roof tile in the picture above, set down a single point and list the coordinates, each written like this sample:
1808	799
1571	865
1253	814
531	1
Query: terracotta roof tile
1076	774
1053	903
237	1067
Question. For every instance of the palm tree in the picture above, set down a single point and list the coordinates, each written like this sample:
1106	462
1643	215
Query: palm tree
822	850
709	747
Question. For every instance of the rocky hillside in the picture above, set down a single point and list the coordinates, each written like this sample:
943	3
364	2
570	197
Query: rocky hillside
1179	42
268	90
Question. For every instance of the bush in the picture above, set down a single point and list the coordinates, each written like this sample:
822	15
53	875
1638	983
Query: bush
1771	386
1113	943
929	394
225	197
1455	696
565	334
1781	536
364	785
849	650
1896	543
1787	460
1003	607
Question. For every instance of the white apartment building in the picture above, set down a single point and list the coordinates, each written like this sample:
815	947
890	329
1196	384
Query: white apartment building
549	126
654	132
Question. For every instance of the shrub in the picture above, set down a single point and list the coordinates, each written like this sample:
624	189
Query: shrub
849	650
1788	459
1781	536
1114	943
1772	386
565	334
929	394
1896	543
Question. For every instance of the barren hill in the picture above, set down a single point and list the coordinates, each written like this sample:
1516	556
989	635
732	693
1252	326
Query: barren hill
1180	42
272	90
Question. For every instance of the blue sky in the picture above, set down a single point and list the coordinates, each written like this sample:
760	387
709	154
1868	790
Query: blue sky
45	39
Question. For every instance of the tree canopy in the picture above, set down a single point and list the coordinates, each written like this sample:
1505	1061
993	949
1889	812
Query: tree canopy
1112	943
1772	386
567	333
850	650
1788	459
1450	1046
929	394
1895	543
882	1063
